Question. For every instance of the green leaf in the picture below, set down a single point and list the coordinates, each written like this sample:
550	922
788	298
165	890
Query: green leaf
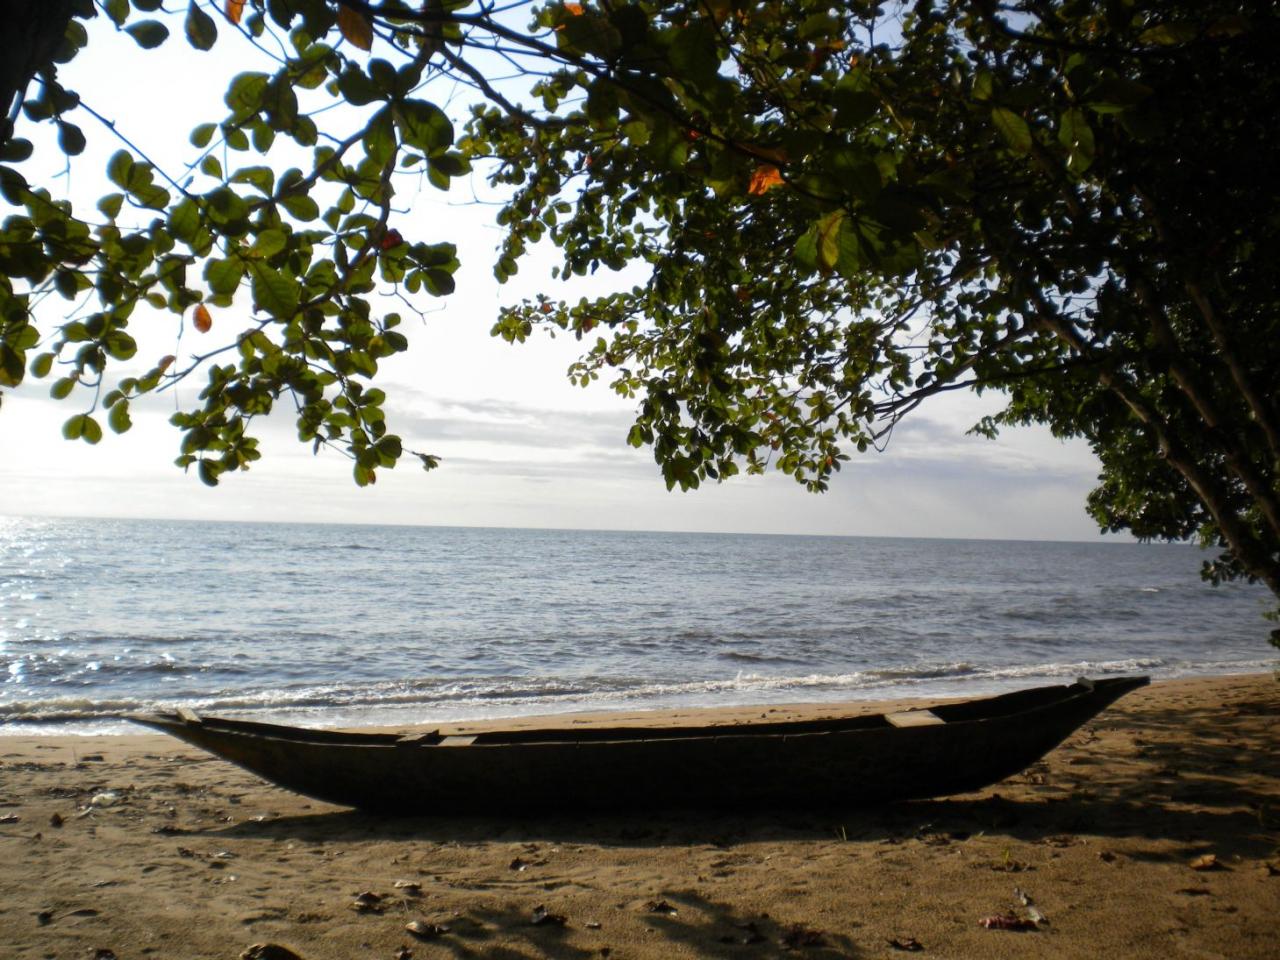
1013	129
849	261
806	250
383	75
184	220
82	427
223	276
202	135
437	177
356	87
389	450
424	125
1169	34
70	138
42	364
119	345
380	137
983	84
117	10
226	207
16	150
269	243
275	292
300	206
202	32
13	366
450	164
1116	94
120	168
118	419
263	137
1077	137
438	282
694	51
244	95
602	102
148	34
854	174
208	471
110	205
829	239
262	179
62	388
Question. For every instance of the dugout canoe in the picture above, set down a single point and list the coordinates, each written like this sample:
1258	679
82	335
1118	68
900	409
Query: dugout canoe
880	758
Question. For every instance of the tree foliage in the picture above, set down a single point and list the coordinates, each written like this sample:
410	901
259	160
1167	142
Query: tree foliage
843	210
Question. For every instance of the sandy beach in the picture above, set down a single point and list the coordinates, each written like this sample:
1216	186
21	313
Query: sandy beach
1153	832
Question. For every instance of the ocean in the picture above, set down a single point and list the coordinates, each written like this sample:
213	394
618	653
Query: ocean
385	625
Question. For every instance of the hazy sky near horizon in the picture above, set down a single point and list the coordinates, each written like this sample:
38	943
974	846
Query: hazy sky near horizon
520	445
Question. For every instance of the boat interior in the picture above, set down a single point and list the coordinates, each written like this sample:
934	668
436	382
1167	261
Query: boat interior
959	712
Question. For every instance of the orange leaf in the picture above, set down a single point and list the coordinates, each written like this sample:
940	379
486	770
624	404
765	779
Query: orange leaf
574	8
764	179
201	319
165	362
234	10
355	26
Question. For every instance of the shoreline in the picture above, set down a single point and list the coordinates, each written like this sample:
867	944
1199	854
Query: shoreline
878	699
186	856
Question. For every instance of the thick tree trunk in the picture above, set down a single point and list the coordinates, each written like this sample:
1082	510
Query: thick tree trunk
33	30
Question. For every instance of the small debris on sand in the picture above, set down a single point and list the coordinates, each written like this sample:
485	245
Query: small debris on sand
542	917
425	930
1007	921
368	902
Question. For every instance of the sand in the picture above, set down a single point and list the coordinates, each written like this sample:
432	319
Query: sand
187	857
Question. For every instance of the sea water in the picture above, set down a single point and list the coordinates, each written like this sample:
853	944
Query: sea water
351	625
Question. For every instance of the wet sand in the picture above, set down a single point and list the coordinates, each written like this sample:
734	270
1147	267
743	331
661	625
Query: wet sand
1152	832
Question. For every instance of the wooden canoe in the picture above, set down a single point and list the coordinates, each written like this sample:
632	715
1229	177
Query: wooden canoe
880	758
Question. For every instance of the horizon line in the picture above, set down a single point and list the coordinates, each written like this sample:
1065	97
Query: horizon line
1102	538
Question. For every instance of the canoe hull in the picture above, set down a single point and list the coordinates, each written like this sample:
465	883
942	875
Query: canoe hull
858	761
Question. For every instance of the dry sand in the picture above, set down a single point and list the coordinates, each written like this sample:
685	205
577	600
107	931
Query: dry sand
197	859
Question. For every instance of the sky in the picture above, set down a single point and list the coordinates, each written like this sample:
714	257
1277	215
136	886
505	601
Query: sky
520	445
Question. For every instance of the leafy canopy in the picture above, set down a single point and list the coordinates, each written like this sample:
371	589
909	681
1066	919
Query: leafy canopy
843	210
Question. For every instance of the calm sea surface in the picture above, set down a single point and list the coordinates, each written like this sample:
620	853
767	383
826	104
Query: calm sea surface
318	624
